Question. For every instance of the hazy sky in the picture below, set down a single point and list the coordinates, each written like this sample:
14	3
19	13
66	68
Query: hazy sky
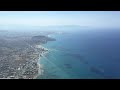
45	18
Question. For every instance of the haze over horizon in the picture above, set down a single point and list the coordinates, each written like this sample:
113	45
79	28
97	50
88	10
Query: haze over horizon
96	19
59	44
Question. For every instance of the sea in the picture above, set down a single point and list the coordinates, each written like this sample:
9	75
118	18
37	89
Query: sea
82	54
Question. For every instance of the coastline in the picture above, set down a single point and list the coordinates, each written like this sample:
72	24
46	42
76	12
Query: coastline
40	71
40	68
42	54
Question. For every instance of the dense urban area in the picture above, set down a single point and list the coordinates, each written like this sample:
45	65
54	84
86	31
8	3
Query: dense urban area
19	54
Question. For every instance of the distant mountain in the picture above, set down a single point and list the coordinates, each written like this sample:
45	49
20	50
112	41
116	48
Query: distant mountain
42	28
60	27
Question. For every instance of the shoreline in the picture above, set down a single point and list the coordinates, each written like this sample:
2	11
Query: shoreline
42	54
39	71
40	68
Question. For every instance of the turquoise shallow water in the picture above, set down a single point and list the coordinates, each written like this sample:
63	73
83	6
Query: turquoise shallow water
82	55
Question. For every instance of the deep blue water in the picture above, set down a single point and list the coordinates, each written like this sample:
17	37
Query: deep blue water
83	54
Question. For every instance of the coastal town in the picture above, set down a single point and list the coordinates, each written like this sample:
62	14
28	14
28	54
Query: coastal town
19	57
